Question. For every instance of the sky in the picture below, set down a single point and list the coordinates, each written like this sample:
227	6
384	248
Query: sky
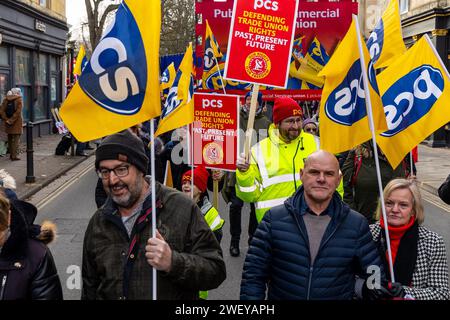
75	12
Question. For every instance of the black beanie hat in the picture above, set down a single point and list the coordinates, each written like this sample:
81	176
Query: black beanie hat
123	146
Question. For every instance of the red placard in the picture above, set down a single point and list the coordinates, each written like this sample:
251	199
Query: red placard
215	131
260	41
326	20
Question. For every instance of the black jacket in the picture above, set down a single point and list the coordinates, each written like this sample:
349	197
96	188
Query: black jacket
27	269
444	191
279	255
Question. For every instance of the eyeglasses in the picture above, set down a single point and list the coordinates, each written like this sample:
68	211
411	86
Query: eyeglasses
291	122
310	130
120	171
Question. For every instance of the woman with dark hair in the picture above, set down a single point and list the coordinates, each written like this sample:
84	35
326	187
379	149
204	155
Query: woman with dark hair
27	269
418	254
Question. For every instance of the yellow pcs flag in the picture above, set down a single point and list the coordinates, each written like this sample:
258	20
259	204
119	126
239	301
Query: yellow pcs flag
416	95
167	79
119	86
81	61
211	59
344	121
385	43
179	106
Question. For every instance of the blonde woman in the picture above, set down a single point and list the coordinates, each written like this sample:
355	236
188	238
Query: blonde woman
419	255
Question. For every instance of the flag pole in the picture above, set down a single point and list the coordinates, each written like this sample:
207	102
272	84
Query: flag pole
251	120
375	149
189	159
153	192
220	75
411	163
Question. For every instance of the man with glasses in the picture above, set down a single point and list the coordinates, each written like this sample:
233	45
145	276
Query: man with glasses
118	255
271	175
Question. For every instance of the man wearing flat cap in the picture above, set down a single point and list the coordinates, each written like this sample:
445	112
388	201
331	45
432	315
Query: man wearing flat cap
118	253
272	172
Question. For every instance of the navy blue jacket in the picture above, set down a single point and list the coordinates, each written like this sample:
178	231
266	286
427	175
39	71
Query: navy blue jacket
279	258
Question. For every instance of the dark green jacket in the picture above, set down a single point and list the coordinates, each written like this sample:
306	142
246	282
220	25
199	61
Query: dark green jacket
111	272
363	195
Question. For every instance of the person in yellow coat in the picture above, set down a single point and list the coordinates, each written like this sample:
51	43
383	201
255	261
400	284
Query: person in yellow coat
272	172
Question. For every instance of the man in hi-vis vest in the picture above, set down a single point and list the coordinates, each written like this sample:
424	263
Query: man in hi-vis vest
272	173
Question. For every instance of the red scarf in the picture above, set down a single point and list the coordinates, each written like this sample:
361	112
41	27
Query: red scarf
395	235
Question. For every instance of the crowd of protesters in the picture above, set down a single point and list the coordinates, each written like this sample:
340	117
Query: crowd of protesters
306	240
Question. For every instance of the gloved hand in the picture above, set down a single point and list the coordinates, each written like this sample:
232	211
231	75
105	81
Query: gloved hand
387	291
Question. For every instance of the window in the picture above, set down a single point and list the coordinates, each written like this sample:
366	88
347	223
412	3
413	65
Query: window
4	57
43	3
4	85
404	6
40	108
23	67
23	79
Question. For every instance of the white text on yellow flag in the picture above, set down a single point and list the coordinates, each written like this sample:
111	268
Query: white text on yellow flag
416	96
119	87
343	113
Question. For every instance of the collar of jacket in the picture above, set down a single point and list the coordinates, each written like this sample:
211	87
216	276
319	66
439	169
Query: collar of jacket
274	136
244	114
295	203
338	215
111	212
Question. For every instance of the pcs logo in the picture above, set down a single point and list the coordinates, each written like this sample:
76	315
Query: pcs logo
116	75
341	105
375	41
411	97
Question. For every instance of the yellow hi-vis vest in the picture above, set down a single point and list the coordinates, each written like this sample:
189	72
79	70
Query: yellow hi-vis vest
212	216
215	222
274	172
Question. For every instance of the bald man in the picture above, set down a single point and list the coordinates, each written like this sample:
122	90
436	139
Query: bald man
313	246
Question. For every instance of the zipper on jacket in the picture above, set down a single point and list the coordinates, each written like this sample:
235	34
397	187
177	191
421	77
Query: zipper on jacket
309	281
2	290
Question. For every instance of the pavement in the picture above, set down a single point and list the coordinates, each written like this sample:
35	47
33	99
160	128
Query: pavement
47	166
432	169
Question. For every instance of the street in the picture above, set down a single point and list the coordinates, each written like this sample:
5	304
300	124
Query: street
69	202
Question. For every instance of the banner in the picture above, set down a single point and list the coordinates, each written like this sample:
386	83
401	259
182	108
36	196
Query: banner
260	41
385	43
344	122
178	108
119	86
216	125
326	21
415	91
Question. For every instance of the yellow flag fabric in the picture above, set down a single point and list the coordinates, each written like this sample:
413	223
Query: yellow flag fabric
179	106
167	79
211	58
119	86
168	180
343	115
385	43
80	62
416	95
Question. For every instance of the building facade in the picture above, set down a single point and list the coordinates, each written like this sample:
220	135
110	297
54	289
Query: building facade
33	36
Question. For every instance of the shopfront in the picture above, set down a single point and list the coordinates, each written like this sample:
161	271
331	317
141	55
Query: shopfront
32	50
